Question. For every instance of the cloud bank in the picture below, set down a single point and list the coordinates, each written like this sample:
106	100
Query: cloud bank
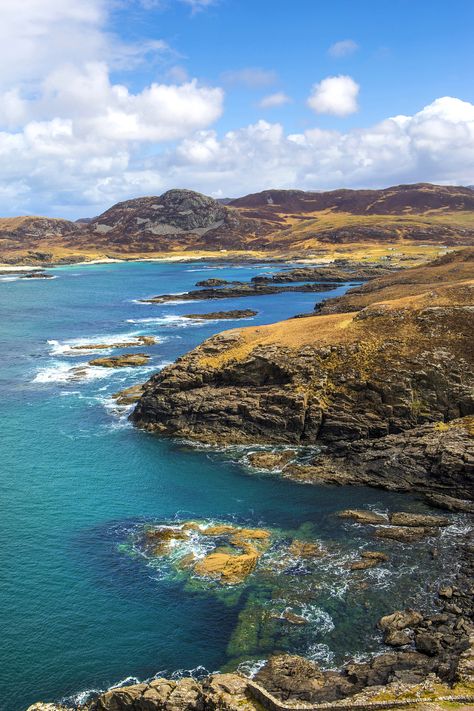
73	141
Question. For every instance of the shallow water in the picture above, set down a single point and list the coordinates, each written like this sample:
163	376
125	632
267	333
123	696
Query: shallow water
76	479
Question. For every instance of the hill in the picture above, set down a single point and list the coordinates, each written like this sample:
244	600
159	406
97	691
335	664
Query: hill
410	220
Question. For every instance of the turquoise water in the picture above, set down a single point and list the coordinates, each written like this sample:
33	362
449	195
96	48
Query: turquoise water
76	479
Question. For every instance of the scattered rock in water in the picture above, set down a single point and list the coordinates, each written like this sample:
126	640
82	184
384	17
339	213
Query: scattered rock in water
404	534
375	555
293	618
228	568
130	395
231	561
304	549
122	361
401	518
365	564
139	341
37	275
214	282
450	503
363	516
213	315
270	460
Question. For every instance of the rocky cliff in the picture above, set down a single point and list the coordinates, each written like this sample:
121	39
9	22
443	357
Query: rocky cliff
331	380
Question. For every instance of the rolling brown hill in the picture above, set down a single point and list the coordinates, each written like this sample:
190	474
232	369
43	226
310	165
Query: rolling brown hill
278	223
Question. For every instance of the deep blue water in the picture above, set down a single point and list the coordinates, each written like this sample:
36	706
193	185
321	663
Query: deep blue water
77	613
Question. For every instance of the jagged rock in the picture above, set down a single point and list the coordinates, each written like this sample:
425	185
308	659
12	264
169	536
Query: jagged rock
128	396
138	341
305	549
363	516
397	638
122	361
212	282
270	460
365	564
409	519
400	620
238	290
404	534
216	315
427	643
450	503
293	618
376	555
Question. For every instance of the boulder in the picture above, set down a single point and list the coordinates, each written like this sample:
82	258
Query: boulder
400	620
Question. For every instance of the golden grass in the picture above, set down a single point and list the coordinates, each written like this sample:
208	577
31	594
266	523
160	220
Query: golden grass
293	333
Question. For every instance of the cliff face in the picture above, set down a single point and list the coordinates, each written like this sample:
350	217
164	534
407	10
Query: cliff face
328	380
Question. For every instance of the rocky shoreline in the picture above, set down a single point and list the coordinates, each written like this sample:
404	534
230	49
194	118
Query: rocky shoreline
432	659
382	383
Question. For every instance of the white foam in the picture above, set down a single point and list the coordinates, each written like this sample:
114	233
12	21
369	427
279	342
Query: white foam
251	668
320	652
171	321
69	347
61	372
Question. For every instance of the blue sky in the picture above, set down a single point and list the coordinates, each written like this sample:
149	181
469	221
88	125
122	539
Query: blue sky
409	52
104	100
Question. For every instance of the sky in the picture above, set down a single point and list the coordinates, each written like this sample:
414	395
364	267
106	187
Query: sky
106	100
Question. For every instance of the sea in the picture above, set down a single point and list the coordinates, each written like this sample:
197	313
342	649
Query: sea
81	609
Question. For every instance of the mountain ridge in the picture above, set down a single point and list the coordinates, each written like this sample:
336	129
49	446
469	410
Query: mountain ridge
272	222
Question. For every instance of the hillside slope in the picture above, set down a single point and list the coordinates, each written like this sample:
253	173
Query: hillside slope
281	223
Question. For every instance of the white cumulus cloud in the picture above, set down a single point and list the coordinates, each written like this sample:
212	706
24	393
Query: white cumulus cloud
335	95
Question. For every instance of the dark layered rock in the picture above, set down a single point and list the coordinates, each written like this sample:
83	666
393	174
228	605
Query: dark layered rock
432	459
237	291
224	315
352	271
130	360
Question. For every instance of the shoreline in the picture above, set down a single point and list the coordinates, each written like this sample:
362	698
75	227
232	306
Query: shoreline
193	695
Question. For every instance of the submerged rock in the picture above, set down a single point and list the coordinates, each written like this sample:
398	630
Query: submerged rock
121	361
233	558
